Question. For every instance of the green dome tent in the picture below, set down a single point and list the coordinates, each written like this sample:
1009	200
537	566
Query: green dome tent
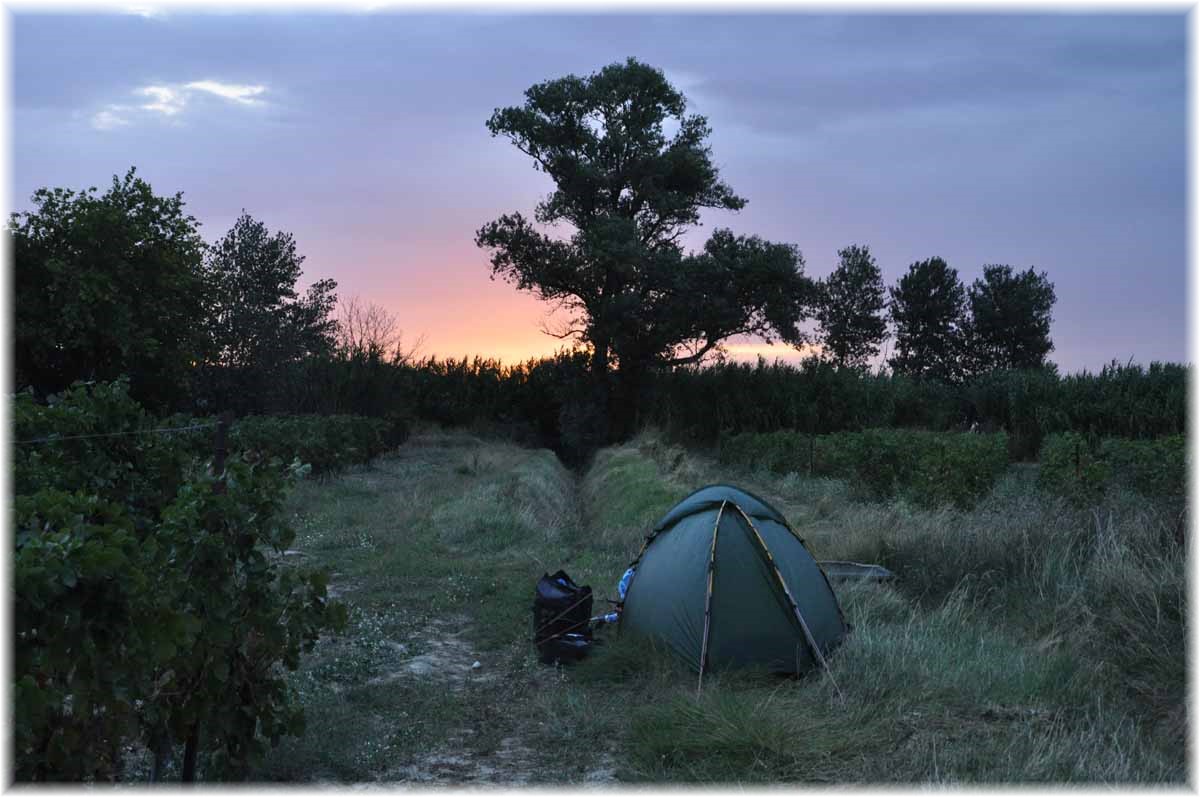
723	581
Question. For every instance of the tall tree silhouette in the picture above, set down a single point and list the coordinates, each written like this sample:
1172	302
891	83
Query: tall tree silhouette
1010	319
928	309
626	192
258	323
850	308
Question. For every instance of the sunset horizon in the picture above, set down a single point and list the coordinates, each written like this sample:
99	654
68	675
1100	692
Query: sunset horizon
1039	164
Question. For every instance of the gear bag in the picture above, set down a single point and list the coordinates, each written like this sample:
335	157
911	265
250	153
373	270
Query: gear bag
561	613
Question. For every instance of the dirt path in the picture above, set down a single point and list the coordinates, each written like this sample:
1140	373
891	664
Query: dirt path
435	552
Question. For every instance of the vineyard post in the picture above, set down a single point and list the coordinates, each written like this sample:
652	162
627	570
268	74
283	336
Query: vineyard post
162	752
189	750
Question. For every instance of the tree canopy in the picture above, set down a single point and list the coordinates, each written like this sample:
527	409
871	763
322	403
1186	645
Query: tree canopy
257	321
1010	319
108	284
627	191
850	308
928	308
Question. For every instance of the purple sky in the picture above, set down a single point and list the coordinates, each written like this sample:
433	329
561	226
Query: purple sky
1052	141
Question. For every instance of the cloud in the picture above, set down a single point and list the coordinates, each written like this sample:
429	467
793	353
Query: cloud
229	91
146	12
109	118
171	100
167	101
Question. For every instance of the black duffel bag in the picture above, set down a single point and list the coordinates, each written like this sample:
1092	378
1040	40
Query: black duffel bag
562	611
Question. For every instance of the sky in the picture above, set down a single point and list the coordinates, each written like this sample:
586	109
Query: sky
1052	141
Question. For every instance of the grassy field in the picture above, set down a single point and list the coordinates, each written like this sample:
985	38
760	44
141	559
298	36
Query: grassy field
1024	641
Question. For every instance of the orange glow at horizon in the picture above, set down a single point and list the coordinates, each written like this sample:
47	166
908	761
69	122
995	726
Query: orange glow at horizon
456	311
510	331
519	348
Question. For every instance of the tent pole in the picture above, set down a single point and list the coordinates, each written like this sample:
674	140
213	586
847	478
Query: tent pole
824	575
712	563
808	637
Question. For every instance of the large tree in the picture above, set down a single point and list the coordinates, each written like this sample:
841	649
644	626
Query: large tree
606	243
258	322
107	285
850	308
928	309
1010	319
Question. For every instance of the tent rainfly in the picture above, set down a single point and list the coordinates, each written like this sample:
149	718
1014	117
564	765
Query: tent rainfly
723	581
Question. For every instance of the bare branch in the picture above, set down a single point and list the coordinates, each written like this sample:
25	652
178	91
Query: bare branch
708	346
564	331
366	328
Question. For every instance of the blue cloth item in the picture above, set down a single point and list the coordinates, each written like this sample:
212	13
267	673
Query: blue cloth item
623	587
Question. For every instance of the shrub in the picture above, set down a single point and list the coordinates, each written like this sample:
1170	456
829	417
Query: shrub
959	469
1085	468
327	443
929	468
148	600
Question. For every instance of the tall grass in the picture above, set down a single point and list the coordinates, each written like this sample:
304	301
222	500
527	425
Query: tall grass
1028	640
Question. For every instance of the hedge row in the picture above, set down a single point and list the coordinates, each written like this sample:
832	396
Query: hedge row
929	468
327	443
1085	467
814	397
933	468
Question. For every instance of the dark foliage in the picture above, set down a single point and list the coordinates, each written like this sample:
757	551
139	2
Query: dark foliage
850	308
546	402
108	285
1009	326
929	468
629	191
928	308
258	327
152	602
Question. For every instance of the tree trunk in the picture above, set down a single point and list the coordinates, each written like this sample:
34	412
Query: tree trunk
624	404
162	755
601	389
599	366
189	755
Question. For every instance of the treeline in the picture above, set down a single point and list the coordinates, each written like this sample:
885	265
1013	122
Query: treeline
943	330
816	398
120	284
155	606
545	402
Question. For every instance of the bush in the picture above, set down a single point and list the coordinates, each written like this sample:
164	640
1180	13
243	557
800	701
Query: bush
549	403
1085	468
148	602
327	443
929	468
959	469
